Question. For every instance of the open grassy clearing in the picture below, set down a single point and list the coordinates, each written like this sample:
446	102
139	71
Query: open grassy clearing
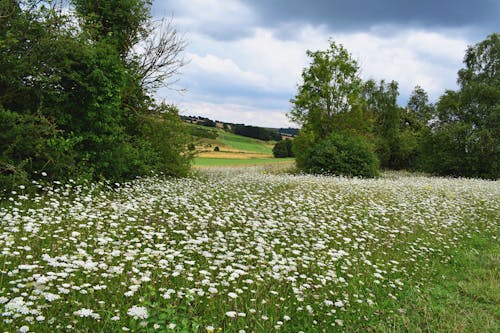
207	139
245	144
253	250
216	161
232	155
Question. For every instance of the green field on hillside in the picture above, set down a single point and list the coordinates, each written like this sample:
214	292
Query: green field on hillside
205	136
203	161
244	143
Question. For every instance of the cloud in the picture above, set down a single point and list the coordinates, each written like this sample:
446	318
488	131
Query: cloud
362	14
236	113
247	56
220	19
412	57
225	70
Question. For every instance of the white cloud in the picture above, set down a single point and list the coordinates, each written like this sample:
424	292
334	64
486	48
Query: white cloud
428	59
226	69
232	77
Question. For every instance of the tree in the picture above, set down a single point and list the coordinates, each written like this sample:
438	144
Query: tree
283	149
74	99
329	101
121	23
465	140
342	154
419	105
330	87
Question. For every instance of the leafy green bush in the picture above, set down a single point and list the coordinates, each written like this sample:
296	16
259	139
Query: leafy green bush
341	154
283	149
74	104
166	136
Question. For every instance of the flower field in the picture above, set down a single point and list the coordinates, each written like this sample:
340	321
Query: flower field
231	250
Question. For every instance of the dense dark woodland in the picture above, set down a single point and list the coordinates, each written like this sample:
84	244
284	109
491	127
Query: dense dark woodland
77	87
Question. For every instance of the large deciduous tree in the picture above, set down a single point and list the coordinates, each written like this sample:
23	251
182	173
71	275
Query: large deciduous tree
330	87
465	140
76	96
328	105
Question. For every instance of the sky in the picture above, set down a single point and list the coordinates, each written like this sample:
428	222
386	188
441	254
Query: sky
246	56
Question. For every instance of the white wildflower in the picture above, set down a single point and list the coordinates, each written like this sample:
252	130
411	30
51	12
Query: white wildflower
138	312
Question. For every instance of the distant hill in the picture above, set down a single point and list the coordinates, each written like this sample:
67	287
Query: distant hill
256	132
218	143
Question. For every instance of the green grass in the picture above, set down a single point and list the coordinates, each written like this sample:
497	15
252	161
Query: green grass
202	161
243	143
464	297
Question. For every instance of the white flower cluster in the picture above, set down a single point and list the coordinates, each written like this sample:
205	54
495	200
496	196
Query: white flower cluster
235	246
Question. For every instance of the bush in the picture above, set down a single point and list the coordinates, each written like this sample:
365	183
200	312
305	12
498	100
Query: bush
164	142
341	154
77	105
283	149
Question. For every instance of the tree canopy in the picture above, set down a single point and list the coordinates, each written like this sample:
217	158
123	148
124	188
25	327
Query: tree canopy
465	138
330	87
458	136
73	98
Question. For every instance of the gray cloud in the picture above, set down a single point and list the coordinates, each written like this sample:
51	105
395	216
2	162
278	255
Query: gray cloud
247	54
360	14
479	17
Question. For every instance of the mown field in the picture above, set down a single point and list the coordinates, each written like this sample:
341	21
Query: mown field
232	149
252	250
207	161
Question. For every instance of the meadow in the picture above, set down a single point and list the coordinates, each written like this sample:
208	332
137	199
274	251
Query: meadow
232	150
250	250
216	161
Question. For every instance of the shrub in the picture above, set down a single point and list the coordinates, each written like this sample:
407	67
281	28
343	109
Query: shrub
342	154
283	149
216	148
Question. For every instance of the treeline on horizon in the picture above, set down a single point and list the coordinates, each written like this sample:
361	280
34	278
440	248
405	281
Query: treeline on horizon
354	127
255	132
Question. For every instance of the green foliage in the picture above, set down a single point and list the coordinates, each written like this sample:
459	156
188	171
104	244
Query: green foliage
459	136
283	149
208	123
342	154
117	22
419	105
464	141
461	150
255	132
330	101
396	130
330	87
72	104
167	138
